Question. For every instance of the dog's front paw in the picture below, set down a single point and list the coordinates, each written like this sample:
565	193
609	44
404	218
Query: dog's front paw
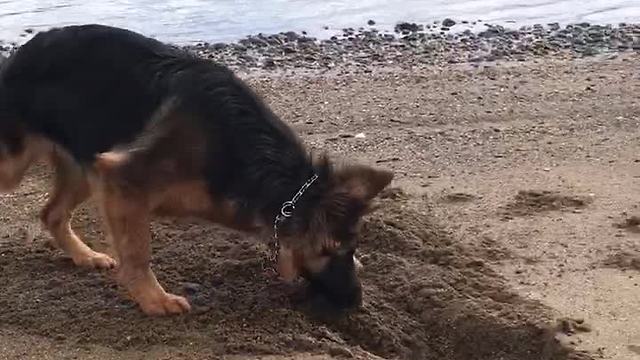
95	260
166	304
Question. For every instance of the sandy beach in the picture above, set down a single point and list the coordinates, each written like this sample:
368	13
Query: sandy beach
511	230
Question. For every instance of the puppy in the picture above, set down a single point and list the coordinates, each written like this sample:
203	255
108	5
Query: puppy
151	130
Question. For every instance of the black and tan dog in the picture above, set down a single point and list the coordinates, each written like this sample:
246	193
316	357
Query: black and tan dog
151	130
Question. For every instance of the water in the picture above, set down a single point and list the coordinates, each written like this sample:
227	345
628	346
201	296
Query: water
185	21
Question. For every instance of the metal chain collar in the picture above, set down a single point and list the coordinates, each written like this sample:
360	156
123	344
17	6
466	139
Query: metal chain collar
286	211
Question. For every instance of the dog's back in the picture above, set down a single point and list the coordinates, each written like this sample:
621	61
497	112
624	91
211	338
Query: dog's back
91	88
84	86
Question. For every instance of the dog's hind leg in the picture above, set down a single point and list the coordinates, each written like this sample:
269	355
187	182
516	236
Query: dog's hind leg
71	188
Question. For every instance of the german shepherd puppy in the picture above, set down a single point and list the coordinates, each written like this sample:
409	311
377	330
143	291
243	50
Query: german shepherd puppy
151	130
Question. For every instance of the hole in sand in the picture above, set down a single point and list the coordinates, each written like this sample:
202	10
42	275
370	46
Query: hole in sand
531	202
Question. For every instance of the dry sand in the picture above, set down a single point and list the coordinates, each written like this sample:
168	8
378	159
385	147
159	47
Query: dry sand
509	233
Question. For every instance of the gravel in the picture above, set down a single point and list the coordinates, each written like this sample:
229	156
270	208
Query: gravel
417	44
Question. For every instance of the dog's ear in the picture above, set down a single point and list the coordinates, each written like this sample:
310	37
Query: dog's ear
362	182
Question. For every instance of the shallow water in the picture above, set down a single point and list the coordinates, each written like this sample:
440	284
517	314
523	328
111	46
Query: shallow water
184	21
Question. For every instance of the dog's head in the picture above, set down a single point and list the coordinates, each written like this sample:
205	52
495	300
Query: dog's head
319	241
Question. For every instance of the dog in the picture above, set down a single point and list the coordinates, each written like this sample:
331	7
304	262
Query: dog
148	129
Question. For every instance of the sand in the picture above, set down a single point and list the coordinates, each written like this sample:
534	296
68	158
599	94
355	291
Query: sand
508	233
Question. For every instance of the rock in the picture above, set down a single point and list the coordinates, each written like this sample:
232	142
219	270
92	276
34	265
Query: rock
371	22
448	22
288	50
408	27
579	41
246	58
254	41
268	63
492	31
291	36
306	39
276	39
239	47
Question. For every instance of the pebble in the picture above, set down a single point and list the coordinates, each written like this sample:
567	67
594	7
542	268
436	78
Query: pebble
408	27
448	22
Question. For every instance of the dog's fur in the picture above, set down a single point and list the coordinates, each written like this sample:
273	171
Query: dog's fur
151	130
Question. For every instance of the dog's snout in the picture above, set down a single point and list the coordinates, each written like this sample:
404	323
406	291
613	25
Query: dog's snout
339	298
338	283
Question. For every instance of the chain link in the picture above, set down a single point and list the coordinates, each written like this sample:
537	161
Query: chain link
288	207
286	211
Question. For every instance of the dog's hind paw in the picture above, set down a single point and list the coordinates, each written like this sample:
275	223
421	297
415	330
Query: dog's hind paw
168	304
95	260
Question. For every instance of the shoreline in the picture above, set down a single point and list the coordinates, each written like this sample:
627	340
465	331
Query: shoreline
414	45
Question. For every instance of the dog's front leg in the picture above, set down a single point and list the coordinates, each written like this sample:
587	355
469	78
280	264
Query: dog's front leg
127	216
